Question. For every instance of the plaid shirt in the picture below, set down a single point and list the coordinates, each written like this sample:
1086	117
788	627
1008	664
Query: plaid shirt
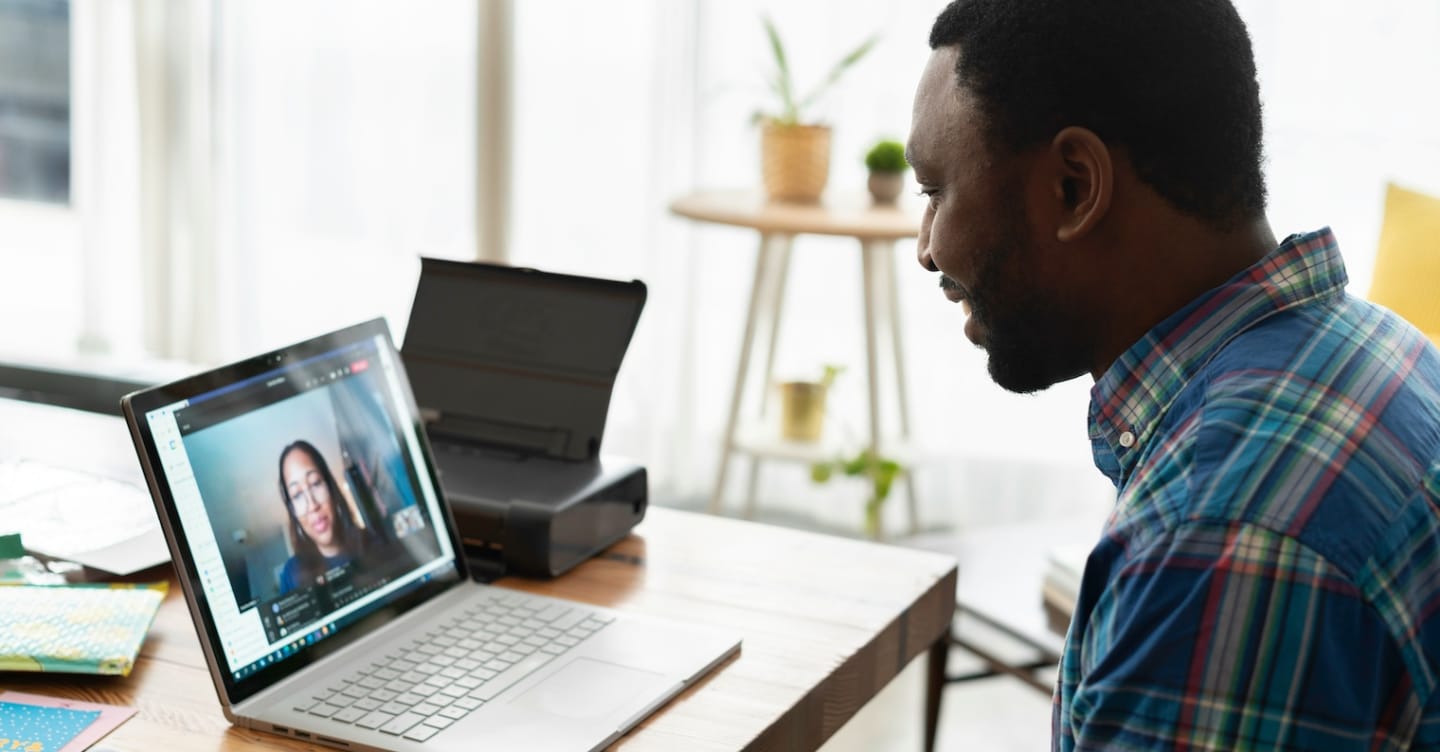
1270	577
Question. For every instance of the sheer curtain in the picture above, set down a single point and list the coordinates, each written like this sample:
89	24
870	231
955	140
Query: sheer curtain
331	142
607	131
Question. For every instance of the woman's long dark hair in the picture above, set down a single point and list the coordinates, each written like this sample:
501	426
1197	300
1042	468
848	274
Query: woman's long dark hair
311	563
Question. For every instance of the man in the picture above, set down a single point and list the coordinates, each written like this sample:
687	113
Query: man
1270	577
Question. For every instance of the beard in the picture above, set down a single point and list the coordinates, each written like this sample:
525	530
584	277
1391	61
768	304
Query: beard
1033	341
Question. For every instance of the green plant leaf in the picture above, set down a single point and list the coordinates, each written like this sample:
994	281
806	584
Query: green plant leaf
820	472
839	70
782	85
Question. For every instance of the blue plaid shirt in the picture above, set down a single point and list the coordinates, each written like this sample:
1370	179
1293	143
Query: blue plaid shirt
1270	577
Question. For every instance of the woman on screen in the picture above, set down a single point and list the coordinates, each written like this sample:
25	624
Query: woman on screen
322	532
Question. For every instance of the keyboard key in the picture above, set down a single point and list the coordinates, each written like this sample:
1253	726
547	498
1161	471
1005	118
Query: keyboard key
324	710
467	664
552	612
384	695
511	657
305	705
349	715
394	708
570	619
454	711
376	719
469	703
523	649
368	704
439	721
468	682
386	674
421	733
510	676
454	690
426	708
425	690
553	649
370	682
409	698
484	674
401	723
452	673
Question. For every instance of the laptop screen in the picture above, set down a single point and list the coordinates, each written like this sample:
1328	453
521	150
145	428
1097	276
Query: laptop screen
304	497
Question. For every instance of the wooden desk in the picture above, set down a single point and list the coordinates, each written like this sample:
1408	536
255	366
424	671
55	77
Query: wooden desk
877	228
826	623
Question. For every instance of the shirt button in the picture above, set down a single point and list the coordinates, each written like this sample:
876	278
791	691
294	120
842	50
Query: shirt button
1127	439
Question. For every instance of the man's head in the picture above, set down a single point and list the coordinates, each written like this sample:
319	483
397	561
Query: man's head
1053	138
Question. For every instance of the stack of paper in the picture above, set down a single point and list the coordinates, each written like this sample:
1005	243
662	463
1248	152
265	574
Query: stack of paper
89	629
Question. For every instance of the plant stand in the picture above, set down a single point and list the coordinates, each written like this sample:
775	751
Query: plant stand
877	229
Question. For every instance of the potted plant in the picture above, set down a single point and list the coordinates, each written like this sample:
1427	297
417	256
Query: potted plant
802	406
794	152
887	165
880	471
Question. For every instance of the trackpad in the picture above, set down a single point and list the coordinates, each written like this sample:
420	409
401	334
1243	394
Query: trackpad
587	689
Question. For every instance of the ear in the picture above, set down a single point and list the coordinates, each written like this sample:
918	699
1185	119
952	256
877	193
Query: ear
1084	182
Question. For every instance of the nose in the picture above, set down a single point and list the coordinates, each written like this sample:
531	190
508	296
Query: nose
922	246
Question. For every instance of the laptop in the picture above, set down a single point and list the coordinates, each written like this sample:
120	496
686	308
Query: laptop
318	556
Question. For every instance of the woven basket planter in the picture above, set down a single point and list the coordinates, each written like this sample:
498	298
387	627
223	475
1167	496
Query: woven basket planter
795	161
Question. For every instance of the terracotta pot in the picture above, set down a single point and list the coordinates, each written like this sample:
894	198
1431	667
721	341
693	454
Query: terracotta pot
885	187
795	161
802	410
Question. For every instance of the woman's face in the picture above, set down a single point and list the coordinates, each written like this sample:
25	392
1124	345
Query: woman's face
310	500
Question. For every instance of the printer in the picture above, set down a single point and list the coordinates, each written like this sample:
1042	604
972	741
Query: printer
513	369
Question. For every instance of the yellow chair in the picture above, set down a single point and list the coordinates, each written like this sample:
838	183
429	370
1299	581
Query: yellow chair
1407	265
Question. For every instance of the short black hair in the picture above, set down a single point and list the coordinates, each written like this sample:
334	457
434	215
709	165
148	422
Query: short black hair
1171	82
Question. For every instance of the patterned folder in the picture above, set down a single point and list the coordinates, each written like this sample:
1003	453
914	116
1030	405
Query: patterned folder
85	629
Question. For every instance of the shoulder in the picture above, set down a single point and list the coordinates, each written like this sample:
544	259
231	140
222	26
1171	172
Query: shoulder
1317	420
289	574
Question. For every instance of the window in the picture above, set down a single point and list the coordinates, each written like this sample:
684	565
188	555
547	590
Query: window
35	100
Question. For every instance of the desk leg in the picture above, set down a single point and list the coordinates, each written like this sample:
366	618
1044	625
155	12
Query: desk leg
935	661
758	301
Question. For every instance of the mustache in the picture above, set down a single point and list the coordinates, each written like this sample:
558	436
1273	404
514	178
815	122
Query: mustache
948	284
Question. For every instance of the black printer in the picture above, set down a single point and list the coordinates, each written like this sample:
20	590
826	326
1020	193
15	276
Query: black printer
513	370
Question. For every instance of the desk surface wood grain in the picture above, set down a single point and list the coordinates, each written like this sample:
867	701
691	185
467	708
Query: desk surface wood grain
825	622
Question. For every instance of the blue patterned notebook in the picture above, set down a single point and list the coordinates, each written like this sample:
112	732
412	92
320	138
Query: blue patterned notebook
35	728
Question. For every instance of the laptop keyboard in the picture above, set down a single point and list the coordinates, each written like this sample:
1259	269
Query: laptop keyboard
458	666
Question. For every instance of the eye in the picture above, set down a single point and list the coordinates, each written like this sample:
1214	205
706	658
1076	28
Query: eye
931	194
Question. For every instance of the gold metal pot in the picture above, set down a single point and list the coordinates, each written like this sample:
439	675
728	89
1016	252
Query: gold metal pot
802	410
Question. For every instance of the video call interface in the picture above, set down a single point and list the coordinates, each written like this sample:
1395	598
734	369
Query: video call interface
310	492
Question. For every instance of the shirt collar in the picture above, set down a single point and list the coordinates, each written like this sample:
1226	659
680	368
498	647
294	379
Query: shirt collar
1128	401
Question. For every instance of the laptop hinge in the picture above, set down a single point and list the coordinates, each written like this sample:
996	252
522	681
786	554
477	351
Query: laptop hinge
487	563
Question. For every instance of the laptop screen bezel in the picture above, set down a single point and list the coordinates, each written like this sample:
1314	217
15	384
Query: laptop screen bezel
136	406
